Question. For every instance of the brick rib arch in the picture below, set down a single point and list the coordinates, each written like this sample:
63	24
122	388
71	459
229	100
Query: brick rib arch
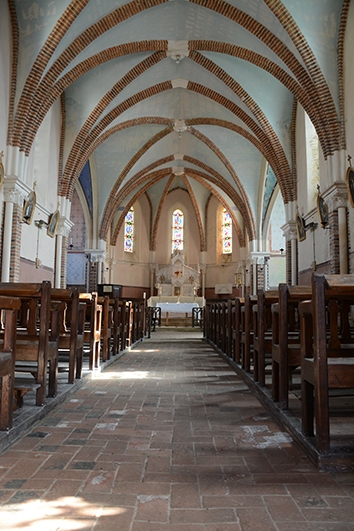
309	59
319	89
197	213
271	143
47	93
230	169
76	47
270	157
312	107
78	146
230	191
158	212
61	27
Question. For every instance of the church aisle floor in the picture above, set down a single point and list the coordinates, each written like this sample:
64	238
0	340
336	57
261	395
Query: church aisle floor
167	438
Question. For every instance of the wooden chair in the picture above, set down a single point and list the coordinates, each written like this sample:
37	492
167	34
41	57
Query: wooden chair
286	339
9	307
327	351
262	333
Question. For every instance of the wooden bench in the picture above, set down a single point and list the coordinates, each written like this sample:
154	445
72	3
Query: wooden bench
71	330
106	327
92	328
327	351
246	339
262	333
239	302
37	338
9	306
286	339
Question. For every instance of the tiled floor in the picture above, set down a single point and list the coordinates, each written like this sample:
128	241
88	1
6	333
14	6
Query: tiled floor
167	438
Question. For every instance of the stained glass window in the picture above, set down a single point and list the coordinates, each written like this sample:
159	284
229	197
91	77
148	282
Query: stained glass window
177	230
226	232
129	231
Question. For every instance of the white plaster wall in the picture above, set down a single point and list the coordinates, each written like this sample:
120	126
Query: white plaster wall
178	199
5	79
5	71
133	269
349	109
43	169
219	272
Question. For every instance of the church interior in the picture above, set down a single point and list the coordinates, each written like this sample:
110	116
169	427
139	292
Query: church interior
193	155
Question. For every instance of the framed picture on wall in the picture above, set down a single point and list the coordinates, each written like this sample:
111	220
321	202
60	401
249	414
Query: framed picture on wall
350	184
322	209
29	206
53	223
300	228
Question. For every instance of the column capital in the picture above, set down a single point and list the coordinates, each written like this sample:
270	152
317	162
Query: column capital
336	195
258	257
289	230
15	191
64	226
96	255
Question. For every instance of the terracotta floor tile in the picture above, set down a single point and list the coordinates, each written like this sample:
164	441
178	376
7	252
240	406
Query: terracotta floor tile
178	444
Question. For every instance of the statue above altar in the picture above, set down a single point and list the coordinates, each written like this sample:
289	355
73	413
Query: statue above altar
177	279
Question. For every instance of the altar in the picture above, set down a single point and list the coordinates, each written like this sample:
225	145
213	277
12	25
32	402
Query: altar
177	285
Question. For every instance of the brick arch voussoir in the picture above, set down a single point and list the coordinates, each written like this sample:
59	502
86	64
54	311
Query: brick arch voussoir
129	166
271	143
319	86
71	169
312	107
158	213
228	166
197	212
78	146
270	157
214	192
114	201
72	174
47	94
61	27
118	227
217	180
76	47
309	59
71	180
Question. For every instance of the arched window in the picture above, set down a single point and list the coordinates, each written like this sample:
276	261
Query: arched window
177	230
129	231
226	232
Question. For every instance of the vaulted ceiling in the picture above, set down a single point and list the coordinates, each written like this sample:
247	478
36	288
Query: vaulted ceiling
197	94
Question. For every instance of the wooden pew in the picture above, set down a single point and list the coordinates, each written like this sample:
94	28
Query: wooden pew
37	340
239	303
92	330
262	333
106	327
246	341
327	351
286	339
9	307
71	330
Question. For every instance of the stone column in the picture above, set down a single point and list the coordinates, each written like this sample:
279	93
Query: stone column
61	254
290	234
336	197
